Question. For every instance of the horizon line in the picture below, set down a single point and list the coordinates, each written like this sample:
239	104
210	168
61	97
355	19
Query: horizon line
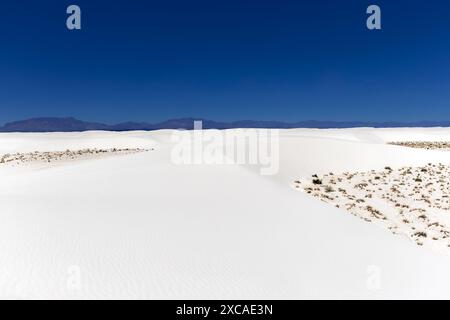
191	118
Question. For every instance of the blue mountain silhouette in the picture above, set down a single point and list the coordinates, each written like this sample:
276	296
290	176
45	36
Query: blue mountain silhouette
70	124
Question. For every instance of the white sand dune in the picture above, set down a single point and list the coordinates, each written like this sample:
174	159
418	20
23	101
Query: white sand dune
139	226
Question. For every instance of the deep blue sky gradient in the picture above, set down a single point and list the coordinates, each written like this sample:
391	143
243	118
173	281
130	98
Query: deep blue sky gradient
225	60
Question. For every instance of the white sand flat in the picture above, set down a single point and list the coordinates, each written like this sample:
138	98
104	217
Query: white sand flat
140	226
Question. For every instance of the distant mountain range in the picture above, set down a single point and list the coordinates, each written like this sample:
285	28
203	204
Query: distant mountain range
74	125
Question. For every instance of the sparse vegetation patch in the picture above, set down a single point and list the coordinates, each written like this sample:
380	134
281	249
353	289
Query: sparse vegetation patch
428	145
413	201
16	159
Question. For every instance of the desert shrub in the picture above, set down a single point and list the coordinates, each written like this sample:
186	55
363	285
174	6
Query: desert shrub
420	234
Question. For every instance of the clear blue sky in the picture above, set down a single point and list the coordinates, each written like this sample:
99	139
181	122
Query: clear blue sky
225	60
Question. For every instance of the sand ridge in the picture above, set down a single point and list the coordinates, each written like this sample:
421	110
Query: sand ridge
19	158
428	145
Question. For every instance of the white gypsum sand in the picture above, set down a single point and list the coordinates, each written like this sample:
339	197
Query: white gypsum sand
140	226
